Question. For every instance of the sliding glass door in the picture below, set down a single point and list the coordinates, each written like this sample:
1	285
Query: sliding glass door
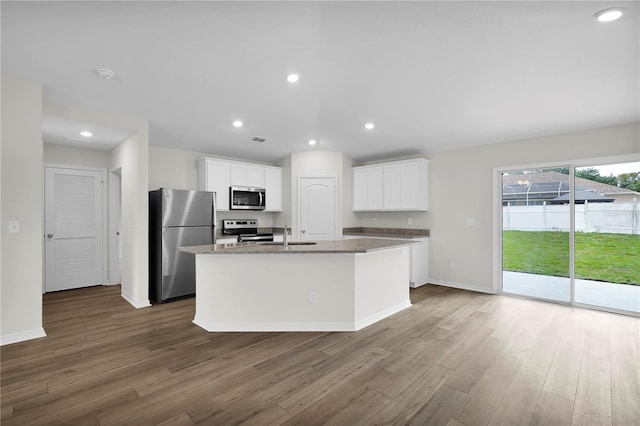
572	235
535	234
607	236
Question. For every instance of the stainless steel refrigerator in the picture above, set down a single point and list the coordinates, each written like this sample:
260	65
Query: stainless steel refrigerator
177	218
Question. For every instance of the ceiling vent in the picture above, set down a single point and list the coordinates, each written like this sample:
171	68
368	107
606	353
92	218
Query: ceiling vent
257	139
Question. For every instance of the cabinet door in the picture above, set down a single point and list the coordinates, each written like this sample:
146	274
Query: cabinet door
255	176
238	175
410	186
367	188
217	180
374	189
359	189
273	188
393	190
419	263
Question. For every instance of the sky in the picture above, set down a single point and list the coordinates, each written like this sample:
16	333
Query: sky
616	169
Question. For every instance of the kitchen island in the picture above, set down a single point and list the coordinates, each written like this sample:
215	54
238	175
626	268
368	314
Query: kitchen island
341	285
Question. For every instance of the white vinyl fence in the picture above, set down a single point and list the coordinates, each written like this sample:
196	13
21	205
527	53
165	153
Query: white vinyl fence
614	218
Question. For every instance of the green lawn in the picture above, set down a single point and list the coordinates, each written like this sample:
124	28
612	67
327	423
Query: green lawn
611	258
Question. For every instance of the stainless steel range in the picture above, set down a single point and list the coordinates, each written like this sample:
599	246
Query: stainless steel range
245	229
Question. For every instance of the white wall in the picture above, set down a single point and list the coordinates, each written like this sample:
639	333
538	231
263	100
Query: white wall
68	155
461	186
131	156
22	192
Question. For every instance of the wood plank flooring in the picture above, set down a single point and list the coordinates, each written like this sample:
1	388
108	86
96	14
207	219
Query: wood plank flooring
454	358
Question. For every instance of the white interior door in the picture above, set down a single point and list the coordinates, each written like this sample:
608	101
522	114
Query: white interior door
317	207
73	228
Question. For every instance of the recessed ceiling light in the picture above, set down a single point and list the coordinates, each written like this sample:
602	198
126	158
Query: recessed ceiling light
237	123
369	126
292	78
86	134
313	142
610	14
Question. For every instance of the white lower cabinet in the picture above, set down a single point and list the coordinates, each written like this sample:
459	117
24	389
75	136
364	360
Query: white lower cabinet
419	261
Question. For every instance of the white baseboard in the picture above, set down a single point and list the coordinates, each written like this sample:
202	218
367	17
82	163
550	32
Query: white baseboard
274	326
21	336
300	326
382	314
135	303
461	286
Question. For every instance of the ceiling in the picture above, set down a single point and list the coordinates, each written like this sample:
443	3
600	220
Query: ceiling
432	76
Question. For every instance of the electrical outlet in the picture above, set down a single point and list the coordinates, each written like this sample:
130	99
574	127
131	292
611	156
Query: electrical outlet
471	221
14	226
452	265
410	221
375	220
313	297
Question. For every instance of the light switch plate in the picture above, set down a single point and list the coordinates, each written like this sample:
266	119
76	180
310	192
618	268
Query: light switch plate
14	226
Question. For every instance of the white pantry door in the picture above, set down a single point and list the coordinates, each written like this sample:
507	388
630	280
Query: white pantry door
317	207
73	228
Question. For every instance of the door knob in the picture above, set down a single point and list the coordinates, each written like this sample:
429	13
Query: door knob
303	231
49	235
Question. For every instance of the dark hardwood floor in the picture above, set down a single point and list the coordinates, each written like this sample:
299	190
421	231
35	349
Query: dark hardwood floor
454	358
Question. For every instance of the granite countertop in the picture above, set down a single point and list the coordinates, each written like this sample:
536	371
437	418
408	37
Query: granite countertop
386	232
358	245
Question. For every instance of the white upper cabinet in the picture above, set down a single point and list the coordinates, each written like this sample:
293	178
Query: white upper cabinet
247	175
213	175
218	175
394	186
367	188
273	188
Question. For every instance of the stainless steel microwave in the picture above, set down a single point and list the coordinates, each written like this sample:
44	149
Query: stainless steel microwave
247	198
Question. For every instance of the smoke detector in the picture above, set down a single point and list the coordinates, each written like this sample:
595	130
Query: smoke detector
105	73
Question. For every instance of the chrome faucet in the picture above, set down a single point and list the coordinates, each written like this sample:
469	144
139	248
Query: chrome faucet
285	237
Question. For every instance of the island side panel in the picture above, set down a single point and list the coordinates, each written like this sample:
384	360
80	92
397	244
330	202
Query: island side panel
381	285
272	292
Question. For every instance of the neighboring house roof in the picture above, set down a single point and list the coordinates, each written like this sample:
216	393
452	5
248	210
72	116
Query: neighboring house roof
581	183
